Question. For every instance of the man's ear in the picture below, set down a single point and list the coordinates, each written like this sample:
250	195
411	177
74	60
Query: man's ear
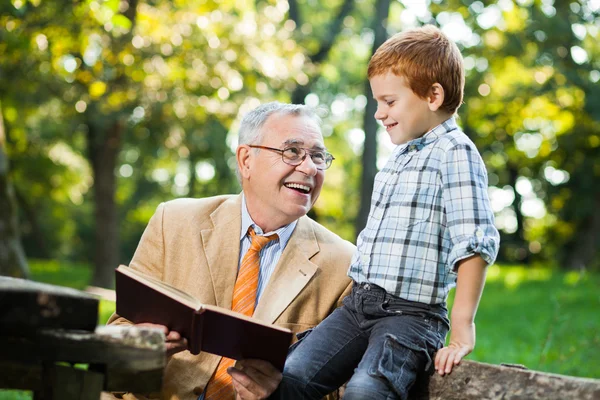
436	97
244	157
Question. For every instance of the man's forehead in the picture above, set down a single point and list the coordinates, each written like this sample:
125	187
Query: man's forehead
294	130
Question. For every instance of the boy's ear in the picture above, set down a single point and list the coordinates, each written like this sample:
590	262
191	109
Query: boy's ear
436	97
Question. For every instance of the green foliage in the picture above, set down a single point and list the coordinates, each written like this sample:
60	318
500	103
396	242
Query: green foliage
177	76
543	319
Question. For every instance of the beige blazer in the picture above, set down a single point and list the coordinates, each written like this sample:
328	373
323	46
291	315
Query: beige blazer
193	244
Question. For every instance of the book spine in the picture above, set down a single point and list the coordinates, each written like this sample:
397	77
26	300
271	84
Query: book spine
195	338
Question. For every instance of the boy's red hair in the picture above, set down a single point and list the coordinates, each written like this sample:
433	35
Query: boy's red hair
423	56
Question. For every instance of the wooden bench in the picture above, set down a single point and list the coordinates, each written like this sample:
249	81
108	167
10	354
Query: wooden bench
49	344
479	381
46	331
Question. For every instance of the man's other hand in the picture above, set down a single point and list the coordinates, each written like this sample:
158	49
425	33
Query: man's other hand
174	343
254	379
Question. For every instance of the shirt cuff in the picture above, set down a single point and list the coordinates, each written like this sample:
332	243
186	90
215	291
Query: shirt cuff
478	243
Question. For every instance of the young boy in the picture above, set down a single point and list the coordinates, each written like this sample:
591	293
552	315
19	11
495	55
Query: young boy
430	226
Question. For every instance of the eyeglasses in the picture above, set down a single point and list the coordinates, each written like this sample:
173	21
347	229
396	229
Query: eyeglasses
294	155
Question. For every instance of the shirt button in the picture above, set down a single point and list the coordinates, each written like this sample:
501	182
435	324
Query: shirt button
364	259
412	147
479	233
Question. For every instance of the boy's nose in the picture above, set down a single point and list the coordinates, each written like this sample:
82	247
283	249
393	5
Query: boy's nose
379	114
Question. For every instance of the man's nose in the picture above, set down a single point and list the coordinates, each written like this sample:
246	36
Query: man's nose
307	166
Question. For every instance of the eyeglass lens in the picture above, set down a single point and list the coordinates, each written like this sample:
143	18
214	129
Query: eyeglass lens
295	155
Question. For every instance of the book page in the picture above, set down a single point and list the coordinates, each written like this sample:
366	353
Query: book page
162	287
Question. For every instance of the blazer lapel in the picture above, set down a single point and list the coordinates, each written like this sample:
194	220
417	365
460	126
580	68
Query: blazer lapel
222	248
293	272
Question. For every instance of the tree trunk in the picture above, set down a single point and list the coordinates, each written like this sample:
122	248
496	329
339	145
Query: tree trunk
12	257
585	242
369	158
523	254
30	214
104	144
334	29
103	148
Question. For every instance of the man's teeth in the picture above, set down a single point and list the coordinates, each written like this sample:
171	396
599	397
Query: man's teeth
304	188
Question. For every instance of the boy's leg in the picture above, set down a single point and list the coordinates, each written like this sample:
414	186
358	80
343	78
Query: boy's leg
399	348
324	359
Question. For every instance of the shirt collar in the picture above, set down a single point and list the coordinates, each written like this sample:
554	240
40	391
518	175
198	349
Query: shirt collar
448	125
284	233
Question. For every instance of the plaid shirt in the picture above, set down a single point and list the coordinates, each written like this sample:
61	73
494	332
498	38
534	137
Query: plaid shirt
429	210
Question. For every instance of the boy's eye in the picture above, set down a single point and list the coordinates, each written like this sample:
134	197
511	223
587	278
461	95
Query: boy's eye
389	102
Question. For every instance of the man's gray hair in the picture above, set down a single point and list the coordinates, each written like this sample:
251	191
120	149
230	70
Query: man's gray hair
252	123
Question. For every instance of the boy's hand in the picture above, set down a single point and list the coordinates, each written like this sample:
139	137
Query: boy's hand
462	342
469	285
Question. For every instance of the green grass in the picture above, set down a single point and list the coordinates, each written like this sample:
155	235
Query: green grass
546	320
14	395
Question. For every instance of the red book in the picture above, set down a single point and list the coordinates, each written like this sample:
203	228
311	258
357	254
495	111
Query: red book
208	328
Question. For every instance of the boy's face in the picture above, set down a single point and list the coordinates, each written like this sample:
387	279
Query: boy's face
405	115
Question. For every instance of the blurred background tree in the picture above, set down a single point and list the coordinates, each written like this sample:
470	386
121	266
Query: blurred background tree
12	258
112	106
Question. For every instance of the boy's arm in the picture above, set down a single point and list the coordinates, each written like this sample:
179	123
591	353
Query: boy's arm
469	286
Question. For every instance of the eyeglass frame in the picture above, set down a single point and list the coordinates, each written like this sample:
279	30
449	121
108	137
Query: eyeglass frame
306	152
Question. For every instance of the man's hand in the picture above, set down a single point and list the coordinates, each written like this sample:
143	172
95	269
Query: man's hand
174	343
462	342
254	379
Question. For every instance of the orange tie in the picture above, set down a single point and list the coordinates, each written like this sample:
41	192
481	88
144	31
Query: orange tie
244	297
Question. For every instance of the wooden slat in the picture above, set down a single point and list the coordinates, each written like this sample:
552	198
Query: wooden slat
131	359
62	382
124	348
479	381
20	376
35	305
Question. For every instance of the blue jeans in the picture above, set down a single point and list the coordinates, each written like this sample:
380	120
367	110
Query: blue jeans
377	341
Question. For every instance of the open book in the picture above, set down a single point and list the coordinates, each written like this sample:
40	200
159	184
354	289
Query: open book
141	298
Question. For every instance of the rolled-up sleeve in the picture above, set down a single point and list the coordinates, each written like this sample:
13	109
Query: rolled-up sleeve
470	219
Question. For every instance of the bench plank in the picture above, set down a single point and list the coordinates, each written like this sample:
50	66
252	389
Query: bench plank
26	306
128	358
473	380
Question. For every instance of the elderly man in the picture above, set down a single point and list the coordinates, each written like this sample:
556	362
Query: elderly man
199	245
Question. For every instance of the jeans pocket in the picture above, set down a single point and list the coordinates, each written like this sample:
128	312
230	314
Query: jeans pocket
399	364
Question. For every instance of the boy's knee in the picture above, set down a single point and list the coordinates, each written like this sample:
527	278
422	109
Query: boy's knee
365	386
295	387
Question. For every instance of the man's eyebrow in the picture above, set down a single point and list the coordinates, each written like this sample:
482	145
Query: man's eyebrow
300	142
294	142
